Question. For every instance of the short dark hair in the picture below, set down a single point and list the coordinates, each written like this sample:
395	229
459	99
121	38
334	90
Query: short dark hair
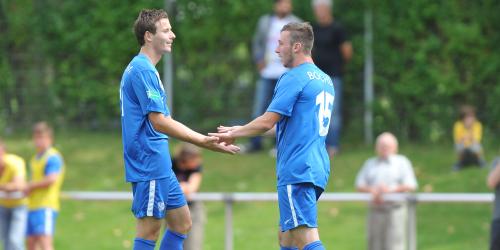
467	110
146	22
43	128
301	33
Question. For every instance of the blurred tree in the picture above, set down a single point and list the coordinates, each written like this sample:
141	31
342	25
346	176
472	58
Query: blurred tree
63	60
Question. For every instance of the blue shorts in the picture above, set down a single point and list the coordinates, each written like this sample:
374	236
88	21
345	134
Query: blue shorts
298	205
153	198
41	222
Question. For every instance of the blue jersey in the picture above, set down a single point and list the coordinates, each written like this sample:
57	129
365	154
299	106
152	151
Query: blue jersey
304	98
145	150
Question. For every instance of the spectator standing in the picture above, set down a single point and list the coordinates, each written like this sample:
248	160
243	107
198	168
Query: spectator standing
269	66
389	172
493	181
332	50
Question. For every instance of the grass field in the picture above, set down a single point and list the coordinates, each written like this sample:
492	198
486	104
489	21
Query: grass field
94	162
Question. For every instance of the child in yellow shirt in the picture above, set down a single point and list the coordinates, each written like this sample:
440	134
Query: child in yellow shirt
13	211
467	134
47	174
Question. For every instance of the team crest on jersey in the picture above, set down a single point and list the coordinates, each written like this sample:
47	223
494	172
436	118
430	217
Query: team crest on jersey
161	206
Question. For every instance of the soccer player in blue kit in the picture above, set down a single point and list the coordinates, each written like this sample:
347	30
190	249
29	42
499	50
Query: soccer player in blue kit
300	109
146	122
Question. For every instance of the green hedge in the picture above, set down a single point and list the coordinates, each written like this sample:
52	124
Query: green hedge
62	60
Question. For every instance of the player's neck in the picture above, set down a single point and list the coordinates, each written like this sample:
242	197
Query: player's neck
301	59
42	150
153	57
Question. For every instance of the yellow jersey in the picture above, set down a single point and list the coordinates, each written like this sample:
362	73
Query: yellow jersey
14	167
467	136
47	197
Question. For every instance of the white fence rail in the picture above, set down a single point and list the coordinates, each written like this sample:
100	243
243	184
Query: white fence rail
230	198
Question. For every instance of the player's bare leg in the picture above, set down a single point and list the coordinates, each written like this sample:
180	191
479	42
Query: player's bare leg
31	243
303	235
148	228
46	242
285	239
179	220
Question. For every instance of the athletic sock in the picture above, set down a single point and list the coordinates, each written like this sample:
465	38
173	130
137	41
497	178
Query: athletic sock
172	241
314	246
288	248
143	244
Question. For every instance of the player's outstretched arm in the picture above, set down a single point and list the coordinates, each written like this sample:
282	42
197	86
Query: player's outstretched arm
44	183
171	127
260	125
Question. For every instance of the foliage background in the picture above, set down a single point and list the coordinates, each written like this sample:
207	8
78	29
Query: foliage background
62	61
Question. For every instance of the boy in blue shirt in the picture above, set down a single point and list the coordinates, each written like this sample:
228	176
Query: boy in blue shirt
301	109
146	122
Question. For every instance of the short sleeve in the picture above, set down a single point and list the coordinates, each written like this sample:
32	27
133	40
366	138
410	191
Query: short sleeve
147	88
361	177
409	178
285	95
54	165
341	34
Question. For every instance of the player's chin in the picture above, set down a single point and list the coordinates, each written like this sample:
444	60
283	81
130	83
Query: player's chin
167	49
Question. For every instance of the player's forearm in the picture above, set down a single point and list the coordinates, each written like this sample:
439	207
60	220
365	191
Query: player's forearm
13	186
47	182
173	128
256	127
271	132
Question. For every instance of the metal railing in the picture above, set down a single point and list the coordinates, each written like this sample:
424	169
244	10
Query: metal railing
230	198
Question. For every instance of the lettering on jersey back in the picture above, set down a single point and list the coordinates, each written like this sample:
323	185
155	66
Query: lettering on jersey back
315	75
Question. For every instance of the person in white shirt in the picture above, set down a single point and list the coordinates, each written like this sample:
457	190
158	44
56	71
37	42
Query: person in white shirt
388	172
267	62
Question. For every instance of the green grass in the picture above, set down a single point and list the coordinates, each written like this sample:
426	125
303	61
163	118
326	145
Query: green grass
94	162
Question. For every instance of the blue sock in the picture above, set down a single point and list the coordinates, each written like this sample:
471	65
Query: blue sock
172	241
314	246
288	248
143	244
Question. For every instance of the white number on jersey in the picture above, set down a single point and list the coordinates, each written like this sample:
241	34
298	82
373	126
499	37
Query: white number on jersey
325	102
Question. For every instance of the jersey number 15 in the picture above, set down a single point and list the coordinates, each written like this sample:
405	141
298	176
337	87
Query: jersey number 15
325	102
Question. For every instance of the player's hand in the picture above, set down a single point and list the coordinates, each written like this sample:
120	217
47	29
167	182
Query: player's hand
224	129
377	196
224	134
215	144
27	190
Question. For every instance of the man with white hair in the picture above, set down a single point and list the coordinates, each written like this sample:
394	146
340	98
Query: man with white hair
332	49
389	172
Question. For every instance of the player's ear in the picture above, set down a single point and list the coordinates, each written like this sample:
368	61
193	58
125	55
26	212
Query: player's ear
297	47
148	36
